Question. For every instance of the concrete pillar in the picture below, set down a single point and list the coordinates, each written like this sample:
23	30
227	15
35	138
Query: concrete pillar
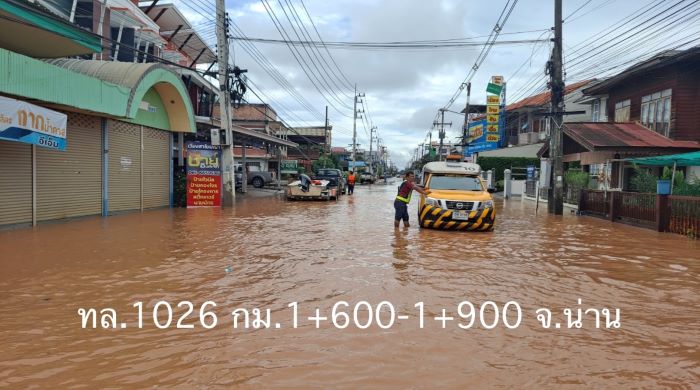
244	164
489	178
507	186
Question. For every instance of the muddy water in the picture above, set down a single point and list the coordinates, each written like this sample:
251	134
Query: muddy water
267	253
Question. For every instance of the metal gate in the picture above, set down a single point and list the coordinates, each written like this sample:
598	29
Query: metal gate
15	183
139	167
156	168
124	166
69	182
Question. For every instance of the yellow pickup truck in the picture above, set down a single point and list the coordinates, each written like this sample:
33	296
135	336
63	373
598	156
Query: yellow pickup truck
458	198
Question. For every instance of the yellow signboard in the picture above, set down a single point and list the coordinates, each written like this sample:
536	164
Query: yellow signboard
476	131
493	110
492	127
492	118
493	100
492	138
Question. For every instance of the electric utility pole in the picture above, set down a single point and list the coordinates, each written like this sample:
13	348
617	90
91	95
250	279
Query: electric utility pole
441	133
354	128
556	201
228	171
465	128
326	144
371	141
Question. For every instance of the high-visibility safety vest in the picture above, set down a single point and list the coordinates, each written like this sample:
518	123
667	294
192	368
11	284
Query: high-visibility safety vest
401	198
351	179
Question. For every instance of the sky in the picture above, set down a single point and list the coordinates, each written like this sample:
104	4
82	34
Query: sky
405	88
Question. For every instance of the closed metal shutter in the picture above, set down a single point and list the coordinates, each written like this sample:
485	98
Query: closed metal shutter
124	144
69	182
156	168
15	183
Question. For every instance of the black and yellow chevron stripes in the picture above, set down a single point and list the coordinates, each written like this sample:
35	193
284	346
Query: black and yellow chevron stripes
436	218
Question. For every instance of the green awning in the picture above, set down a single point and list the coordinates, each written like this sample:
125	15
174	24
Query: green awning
680	160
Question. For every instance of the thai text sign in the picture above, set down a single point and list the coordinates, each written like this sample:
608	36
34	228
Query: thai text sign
478	138
203	175
289	166
24	122
493	100
498	80
476	130
493	110
492	119
492	127
492	138
494	89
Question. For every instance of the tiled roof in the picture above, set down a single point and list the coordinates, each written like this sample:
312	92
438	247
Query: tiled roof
545	97
595	135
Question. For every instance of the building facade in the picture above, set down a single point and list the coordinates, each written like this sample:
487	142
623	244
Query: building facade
115	152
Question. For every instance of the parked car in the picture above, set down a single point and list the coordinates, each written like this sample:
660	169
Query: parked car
366	177
257	178
335	177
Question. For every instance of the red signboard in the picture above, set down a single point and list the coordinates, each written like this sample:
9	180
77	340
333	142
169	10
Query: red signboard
203	175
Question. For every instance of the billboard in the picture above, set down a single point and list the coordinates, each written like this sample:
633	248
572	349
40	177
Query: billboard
479	138
28	123
203	175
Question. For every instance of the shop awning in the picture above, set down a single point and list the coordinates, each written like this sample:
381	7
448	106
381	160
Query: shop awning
680	160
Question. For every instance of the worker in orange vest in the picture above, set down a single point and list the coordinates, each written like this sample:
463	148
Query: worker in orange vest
351	182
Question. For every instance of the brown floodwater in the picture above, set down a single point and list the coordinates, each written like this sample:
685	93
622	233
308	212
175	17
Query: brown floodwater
267	253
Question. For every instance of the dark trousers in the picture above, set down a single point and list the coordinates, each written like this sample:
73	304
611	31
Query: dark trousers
351	188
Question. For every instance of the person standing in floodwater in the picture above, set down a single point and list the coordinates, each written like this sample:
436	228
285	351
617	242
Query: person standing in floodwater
404	197
351	183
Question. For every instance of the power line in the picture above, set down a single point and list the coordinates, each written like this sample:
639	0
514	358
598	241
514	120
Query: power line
387	45
332	76
348	82
299	59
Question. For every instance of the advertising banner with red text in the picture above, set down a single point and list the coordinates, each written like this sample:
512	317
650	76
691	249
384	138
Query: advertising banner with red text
203	175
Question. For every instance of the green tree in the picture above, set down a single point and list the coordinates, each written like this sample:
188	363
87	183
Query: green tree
324	161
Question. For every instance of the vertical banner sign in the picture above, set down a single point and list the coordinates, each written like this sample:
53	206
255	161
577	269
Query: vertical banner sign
24	122
203	175
493	109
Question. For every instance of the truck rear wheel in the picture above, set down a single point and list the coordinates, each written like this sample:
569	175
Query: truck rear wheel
258	182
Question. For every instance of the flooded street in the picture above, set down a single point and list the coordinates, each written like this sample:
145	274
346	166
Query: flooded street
269	252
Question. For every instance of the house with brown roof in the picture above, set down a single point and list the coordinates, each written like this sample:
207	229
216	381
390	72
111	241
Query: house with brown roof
649	109
524	126
601	147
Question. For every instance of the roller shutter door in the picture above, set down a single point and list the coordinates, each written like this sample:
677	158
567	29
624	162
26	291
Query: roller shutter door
124	143
69	182
15	183
156	168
